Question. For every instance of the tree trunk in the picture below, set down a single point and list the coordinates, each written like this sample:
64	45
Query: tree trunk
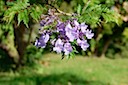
20	44
97	39
106	45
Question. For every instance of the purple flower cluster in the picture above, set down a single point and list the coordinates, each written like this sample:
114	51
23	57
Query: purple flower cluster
41	42
67	33
60	47
48	20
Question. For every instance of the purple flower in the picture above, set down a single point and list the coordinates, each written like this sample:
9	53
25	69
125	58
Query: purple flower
70	36
58	46
64	33
83	27
81	35
41	42
71	32
60	26
76	23
89	34
67	48
48	19
75	32
83	44
68	27
42	23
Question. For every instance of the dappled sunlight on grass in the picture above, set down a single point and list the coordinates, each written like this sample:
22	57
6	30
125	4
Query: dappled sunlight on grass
77	71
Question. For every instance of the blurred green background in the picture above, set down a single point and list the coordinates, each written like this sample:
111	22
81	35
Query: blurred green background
104	63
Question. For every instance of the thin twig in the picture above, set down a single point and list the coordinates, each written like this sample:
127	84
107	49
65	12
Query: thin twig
60	12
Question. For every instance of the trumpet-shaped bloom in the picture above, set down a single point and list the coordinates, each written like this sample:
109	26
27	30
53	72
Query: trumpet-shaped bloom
71	32
89	34
76	23
41	42
83	44
83	27
58	46
67	48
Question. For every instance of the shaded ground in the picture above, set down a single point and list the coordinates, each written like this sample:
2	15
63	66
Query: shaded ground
60	79
77	71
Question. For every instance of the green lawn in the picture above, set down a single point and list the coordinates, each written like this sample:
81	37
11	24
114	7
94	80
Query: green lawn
77	71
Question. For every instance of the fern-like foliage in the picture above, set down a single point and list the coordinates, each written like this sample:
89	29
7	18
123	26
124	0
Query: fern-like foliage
94	14
23	11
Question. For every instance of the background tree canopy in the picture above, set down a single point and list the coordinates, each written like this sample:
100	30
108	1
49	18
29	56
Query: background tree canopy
19	27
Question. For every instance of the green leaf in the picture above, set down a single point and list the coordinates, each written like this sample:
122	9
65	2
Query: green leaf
79	9
23	16
34	14
20	17
111	17
17	7
26	18
9	16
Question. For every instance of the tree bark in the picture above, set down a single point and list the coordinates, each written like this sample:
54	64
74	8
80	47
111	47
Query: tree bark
106	45
20	44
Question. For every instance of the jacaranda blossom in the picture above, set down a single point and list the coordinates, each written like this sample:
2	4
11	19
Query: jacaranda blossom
58	46
89	34
41	42
71	32
83	44
76	23
60	26
67	48
64	36
83	27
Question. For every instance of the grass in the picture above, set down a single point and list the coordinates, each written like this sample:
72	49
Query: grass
77	71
